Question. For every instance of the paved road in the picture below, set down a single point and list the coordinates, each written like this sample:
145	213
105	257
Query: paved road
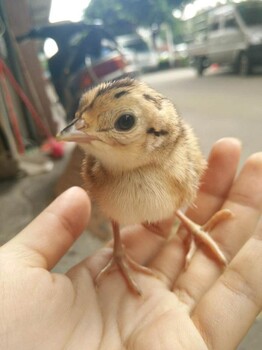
217	105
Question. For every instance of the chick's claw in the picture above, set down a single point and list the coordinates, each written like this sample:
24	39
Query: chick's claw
200	233
124	263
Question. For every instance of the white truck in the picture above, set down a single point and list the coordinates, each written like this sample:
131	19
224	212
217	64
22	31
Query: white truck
227	35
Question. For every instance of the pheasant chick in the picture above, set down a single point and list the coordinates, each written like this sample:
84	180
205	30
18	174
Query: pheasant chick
142	163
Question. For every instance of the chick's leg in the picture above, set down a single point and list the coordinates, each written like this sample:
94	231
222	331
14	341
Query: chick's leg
123	262
200	233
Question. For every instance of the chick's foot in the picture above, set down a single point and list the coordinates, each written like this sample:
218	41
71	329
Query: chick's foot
124	263
201	233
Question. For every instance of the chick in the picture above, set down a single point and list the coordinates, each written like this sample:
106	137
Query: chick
142	163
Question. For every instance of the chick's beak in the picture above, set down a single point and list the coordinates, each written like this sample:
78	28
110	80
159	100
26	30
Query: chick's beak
75	132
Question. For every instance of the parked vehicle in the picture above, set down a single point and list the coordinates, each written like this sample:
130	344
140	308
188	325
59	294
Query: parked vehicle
87	55
146	58
227	35
166	58
181	55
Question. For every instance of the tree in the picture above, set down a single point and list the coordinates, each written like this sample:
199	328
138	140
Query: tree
131	13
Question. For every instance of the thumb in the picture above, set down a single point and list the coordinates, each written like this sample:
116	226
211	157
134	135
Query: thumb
48	237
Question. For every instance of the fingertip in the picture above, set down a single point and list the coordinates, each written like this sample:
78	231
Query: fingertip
78	195
76	206
75	191
227	143
225	154
255	161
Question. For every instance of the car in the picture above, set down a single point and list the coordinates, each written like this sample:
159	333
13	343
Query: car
87	55
229	34
181	55
130	57
146	58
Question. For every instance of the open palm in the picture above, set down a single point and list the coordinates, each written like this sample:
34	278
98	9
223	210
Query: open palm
202	307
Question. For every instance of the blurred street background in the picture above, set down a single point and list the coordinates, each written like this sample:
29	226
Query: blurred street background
206	56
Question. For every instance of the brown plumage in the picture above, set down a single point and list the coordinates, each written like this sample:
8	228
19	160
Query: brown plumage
143	161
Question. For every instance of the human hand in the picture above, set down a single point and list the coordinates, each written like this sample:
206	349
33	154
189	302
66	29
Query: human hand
200	308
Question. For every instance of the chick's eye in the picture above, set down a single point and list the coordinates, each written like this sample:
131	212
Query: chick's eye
125	122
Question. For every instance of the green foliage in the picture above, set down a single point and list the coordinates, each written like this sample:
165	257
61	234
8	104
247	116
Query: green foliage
125	15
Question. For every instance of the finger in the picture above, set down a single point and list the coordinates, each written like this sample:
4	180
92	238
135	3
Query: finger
222	166
245	201
46	239
224	155
228	310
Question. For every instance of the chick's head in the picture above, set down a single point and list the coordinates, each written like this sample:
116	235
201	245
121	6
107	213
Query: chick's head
124	124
